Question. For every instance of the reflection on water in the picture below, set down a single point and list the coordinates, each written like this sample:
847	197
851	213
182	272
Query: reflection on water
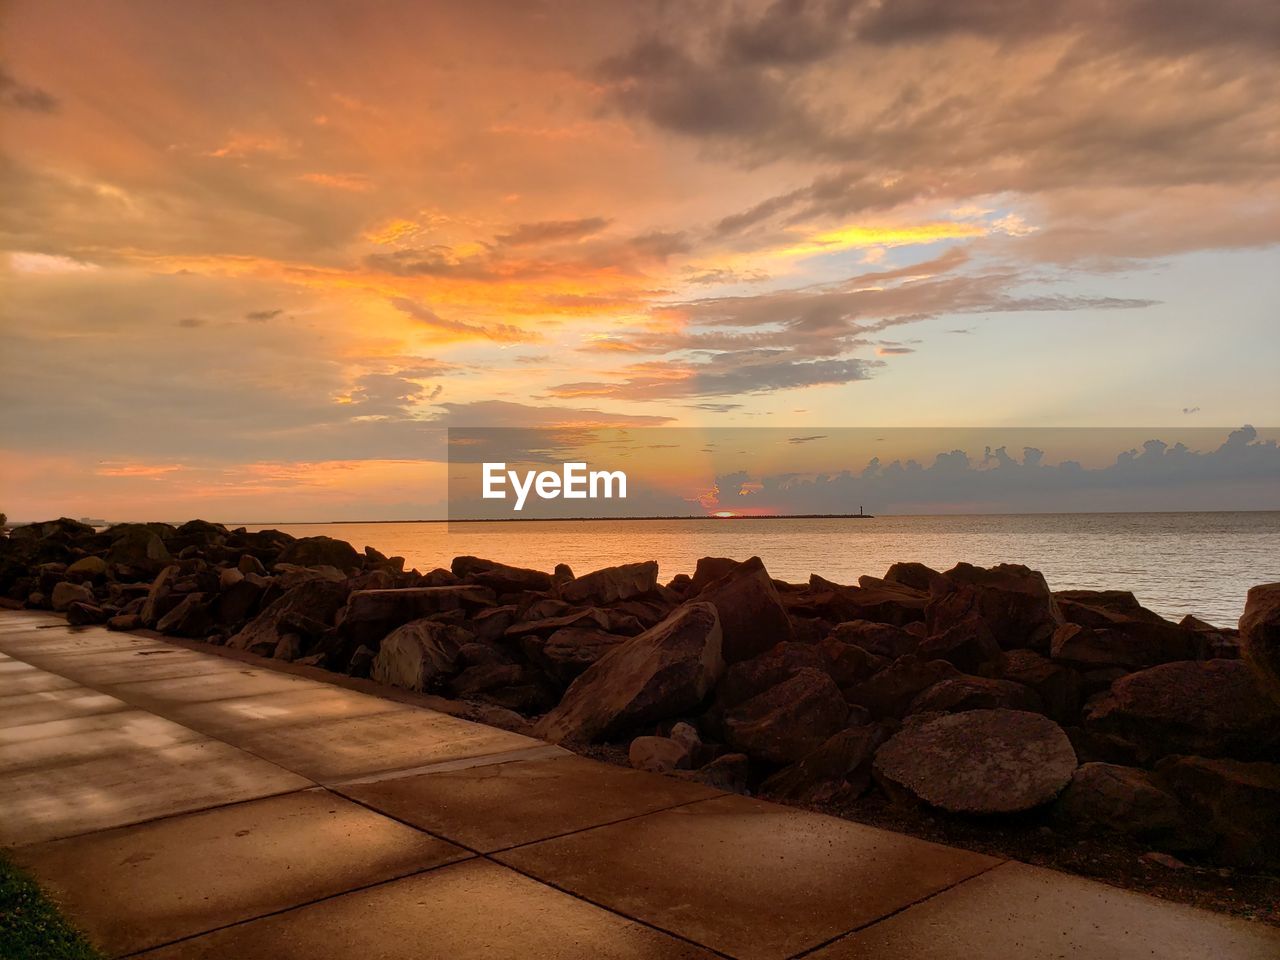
1176	563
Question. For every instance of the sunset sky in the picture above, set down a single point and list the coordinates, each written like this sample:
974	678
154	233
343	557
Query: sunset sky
256	255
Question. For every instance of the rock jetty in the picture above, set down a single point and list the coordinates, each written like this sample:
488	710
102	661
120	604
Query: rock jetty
971	692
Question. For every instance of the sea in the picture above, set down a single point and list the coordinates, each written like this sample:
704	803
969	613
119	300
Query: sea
1175	563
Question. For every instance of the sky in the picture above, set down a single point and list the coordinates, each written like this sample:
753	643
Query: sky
256	257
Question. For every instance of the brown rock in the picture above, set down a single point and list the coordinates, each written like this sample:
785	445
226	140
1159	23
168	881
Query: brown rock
66	593
570	650
498	576
788	721
838	770
665	671
321	551
957	694
966	645
84	614
190	618
1014	601
125	621
657	754
750	678
885	603
316	600
880	639
914	575
1239	801
603	587
1108	798
1260	636
709	569
161	587
372	614
1101	608
751	614
1057	686
979	762
1131	644
728	772
848	664
419	655
889	693
1212	708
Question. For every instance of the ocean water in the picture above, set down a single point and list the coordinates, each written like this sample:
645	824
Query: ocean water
1176	563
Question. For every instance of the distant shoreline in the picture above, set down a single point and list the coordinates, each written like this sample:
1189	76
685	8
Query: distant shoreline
772	516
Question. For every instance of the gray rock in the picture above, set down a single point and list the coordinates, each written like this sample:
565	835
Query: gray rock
979	762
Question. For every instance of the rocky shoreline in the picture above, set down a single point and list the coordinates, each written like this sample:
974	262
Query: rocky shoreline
975	698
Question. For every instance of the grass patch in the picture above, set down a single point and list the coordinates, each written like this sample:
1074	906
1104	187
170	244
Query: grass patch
31	928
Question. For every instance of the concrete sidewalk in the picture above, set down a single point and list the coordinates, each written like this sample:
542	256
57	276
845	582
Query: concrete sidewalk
181	804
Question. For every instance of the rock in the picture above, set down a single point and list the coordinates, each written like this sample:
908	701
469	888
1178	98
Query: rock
686	735
160	589
491	623
1101	608
1212	708
1220	643
1260	636
848	664
612	584
63	529
237	603
838	770
1239	802
510	685
889	693
1013	600
750	678
361	662
138	546
979	762
288	649
563	573
321	551
419	655
1163	860
657	754
917	576
570	650
83	614
597	618
248	563
957	694
499	577
752	616
66	593
887	603
877	638
88	568
1105	797
966	645
316	600
125	621
728	773
665	671
229	577
1057	686
190	618
788	721
372	614
710	569
1130	644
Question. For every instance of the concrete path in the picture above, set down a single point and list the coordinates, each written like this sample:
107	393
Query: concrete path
182	804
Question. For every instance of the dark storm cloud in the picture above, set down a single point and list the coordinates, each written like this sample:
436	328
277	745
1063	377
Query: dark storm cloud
20	96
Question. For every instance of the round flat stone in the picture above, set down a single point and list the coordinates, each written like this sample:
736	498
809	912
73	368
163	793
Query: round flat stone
980	761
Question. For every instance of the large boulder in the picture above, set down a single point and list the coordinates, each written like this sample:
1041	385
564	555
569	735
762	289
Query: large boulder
966	645
419	655
1101	608
889	693
1239	802
978	762
1013	600
708	570
1108	798
789	721
567	652
498	576
321	552
316	601
838	770
138	546
751	614
750	678
1211	708
372	614
602	587
664	672
1260	636
917	576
